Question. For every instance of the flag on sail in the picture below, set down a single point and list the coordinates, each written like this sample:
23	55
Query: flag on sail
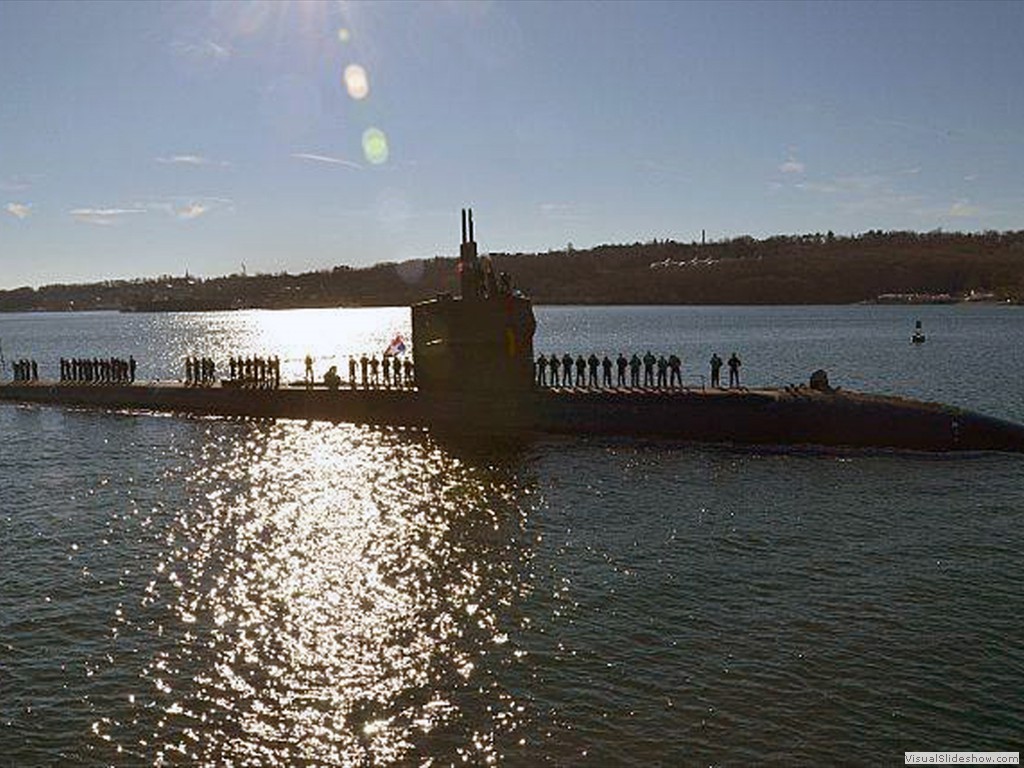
396	347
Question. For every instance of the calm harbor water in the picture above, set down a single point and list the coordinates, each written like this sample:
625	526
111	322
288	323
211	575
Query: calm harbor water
186	591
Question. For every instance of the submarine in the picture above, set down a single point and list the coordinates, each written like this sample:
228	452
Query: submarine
474	376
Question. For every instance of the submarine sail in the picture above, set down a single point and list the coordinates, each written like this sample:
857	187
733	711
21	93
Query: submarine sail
480	341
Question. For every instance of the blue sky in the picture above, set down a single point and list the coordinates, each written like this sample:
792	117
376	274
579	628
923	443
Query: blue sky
146	138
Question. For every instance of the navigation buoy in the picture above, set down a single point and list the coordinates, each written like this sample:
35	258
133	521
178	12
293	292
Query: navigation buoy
918	336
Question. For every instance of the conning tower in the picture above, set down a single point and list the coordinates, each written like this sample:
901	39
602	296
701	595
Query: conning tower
480	341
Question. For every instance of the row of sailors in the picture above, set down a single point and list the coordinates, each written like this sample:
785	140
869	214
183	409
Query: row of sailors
669	370
89	370
25	370
255	371
397	373
200	371
661	371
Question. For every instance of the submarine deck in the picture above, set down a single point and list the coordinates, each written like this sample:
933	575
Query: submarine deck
790	416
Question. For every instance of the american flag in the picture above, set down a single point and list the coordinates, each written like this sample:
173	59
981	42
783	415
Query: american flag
397	346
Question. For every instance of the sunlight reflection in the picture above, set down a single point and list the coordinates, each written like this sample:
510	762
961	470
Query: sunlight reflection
328	335
344	35
375	146
339	591
356	83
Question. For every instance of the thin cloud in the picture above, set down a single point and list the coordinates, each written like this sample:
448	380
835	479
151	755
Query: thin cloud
193	160
202	50
192	211
562	211
850	185
185	208
15	184
325	159
103	216
816	186
962	209
19	210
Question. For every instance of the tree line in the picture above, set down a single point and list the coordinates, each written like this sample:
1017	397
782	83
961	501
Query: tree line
789	269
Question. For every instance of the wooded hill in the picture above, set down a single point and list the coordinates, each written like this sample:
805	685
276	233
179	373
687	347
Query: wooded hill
796	269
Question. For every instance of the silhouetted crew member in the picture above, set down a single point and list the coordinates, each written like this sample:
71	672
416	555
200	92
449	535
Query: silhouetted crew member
375	370
567	369
231	368
131	369
542	371
387	370
408	371
716	368
331	379
581	371
634	371
553	362
351	371
592	364
621	364
188	370
675	376
309	370
35	371
649	361
606	370
662	371
364	364
734	371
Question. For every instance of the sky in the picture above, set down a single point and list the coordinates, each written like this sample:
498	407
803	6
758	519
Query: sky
146	138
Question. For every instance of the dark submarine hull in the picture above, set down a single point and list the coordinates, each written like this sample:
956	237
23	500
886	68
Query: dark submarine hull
790	417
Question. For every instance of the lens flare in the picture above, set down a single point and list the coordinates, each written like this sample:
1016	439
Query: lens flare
356	83
375	146
344	35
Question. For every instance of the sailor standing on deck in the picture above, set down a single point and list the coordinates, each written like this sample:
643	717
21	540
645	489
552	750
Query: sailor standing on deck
662	372
592	364
675	375
553	362
716	370
734	371
649	361
309	370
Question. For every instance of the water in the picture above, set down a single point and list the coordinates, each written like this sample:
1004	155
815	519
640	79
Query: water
212	591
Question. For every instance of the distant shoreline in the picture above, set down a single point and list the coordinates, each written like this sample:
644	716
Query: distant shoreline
882	303
794	270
